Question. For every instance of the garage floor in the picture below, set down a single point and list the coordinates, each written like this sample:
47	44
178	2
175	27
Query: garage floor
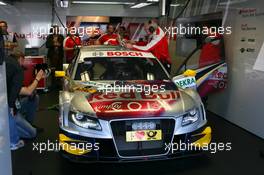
243	159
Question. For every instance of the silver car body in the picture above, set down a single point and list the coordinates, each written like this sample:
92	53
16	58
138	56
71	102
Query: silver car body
171	104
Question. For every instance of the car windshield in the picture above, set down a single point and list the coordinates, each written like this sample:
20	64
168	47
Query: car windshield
119	68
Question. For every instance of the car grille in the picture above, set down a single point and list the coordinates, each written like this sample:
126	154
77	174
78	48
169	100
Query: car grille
144	148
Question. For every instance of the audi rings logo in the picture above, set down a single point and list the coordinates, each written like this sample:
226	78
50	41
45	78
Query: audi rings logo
98	54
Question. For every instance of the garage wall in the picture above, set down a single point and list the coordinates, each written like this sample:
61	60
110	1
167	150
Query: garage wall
24	18
242	102
5	153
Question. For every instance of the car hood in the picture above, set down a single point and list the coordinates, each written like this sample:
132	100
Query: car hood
132	104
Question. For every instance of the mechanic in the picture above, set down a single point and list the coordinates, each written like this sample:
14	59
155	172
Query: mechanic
71	42
141	42
123	33
212	48
21	110
10	38
109	38
55	54
157	44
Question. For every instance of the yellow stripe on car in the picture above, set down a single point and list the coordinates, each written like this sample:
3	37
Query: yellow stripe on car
71	148
205	140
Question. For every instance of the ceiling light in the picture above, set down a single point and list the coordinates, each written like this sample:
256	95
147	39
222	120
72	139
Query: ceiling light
62	3
152	0
2	3
231	2
103	3
175	5
140	5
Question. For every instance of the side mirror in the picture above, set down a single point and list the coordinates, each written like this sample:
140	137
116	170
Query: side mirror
60	74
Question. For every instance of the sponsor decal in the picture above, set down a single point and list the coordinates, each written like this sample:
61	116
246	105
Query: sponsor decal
98	54
246	11
30	35
117	54
250	50
130	106
252	40
187	82
144	135
168	95
219	74
242	50
245	27
85	89
125	54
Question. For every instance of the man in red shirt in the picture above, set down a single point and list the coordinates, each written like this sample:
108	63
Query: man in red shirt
69	45
157	44
212	50
109	38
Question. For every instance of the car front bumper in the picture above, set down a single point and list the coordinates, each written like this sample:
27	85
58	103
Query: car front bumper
105	150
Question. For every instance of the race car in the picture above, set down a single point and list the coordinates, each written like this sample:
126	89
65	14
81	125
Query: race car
121	105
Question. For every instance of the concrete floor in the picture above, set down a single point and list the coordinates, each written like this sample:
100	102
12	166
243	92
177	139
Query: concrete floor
243	159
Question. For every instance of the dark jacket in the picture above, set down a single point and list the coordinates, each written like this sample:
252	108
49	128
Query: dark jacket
14	80
2	49
51	48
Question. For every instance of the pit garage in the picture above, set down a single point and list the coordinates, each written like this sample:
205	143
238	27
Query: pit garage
131	86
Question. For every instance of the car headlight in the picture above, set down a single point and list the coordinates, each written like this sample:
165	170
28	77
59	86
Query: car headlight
190	117
84	121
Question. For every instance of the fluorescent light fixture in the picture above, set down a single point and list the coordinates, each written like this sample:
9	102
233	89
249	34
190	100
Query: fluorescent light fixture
152	0
140	5
2	3
64	3
103	2
175	5
231	2
163	8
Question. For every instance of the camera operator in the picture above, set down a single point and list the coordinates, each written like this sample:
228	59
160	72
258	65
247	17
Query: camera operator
21	110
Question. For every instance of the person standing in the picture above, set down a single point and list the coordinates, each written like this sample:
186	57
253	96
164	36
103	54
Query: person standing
157	44
70	43
212	49
54	44
122	32
110	37
10	41
2	43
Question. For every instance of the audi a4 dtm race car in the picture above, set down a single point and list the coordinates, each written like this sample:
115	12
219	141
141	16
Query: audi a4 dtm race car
121	105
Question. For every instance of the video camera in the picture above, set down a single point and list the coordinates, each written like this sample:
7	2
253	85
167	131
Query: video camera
44	67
